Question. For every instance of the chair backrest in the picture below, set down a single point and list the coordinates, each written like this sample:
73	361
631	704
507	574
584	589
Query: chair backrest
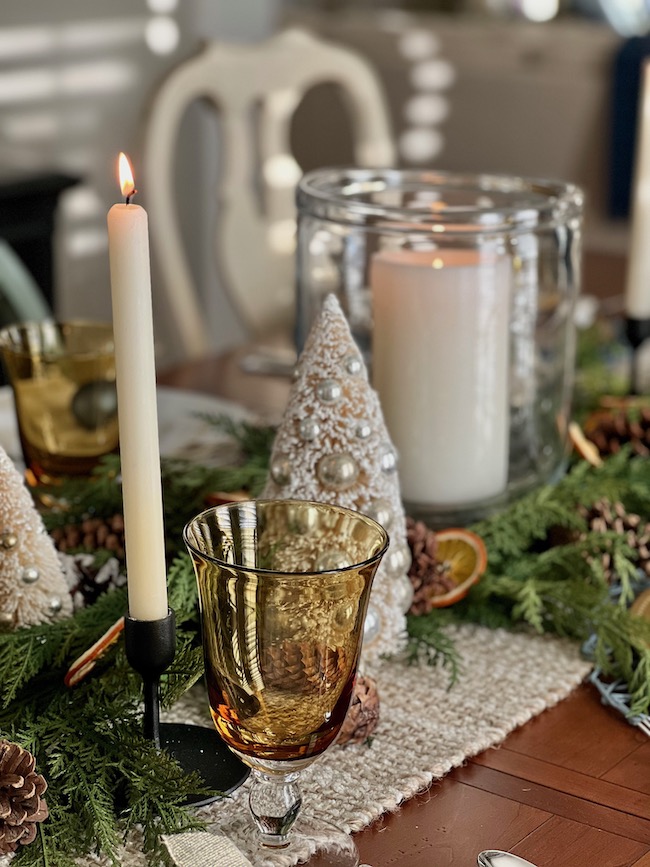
255	88
21	299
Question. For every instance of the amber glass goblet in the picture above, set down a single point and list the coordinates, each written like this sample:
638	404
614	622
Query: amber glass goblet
63	379
284	588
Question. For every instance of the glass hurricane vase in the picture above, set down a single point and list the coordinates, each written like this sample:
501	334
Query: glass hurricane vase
460	291
283	587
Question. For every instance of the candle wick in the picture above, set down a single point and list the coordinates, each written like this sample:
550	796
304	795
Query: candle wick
128	198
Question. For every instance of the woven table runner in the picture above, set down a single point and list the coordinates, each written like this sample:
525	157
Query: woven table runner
425	730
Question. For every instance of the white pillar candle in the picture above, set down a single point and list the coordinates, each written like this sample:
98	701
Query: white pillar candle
440	366
637	289
136	397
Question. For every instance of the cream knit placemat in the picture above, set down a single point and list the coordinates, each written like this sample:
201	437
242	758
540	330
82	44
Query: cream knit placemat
425	730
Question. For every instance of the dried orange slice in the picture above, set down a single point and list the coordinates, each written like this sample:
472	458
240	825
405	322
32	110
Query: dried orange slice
86	662
584	446
464	558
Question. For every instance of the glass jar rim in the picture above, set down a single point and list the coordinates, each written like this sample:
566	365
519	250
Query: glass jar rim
502	203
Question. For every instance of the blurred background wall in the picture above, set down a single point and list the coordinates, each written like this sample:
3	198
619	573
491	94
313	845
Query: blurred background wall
519	86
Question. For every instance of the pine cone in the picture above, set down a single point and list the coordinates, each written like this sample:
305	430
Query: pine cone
363	716
609	430
282	666
428	577
21	804
87	581
91	534
603	516
303	667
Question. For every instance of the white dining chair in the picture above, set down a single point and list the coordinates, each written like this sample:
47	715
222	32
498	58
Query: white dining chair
255	89
21	299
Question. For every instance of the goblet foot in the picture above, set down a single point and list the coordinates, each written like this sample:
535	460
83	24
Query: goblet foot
312	843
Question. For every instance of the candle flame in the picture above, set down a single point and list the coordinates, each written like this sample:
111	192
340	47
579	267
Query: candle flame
437	264
127	184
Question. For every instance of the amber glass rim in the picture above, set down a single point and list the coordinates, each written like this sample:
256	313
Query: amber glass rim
258	570
9	333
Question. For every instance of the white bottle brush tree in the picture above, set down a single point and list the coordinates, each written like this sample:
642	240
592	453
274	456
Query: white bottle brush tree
33	589
333	447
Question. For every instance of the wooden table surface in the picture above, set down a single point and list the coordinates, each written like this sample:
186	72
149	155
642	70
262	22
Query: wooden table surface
571	788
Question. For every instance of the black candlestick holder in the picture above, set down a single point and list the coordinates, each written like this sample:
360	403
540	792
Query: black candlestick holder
637	332
150	649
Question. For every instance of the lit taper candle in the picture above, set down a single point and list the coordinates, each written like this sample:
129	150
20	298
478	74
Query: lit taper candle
128	242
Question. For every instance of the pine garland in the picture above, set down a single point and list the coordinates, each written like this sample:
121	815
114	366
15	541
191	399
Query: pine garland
185	484
88	740
602	366
562	589
428	640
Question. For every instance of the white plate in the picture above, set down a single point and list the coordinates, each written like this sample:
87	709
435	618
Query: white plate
182	432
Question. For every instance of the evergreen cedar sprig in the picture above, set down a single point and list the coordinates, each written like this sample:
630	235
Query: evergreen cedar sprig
88	740
50	648
602	365
429	641
185	483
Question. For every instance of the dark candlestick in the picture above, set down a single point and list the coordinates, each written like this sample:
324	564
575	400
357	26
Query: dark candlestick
150	647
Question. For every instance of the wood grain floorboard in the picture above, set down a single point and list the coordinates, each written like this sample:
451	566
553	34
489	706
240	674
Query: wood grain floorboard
447	827
600	791
557	803
577	734
634	770
574	844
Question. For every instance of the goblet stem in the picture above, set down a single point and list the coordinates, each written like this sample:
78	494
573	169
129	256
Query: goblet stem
274	800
